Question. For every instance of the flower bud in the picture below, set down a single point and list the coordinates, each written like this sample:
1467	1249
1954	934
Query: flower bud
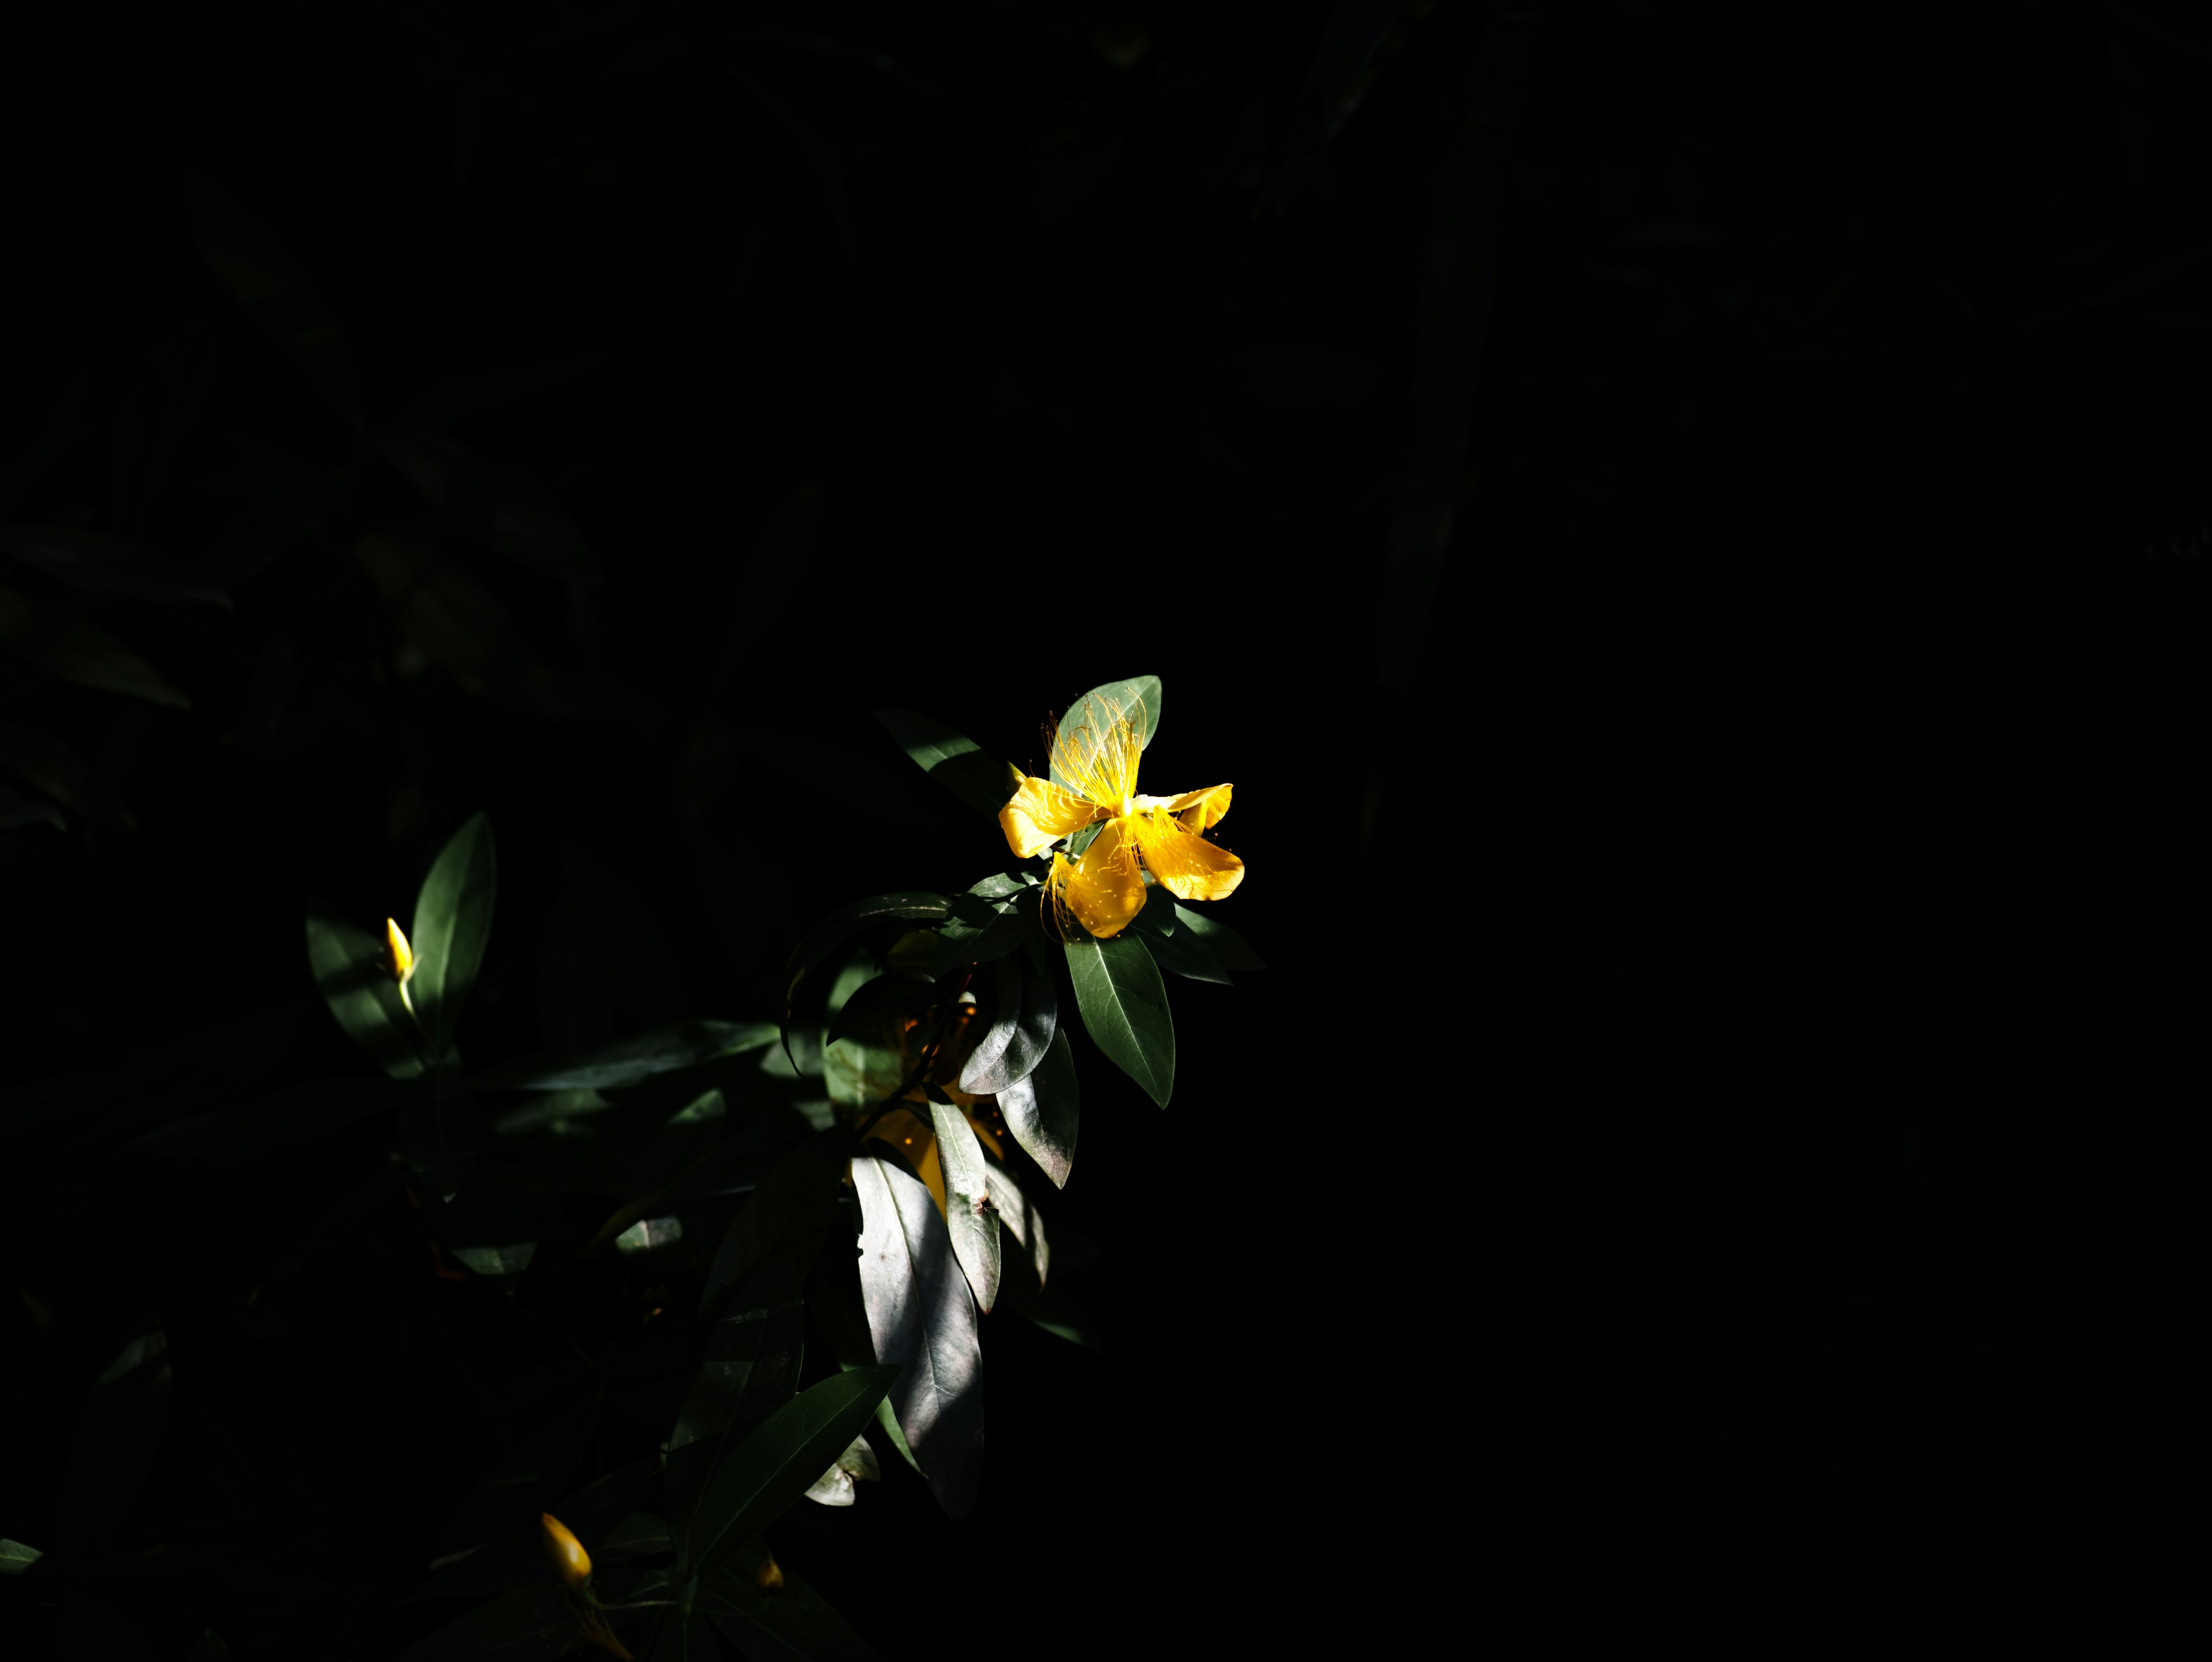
570	1562
768	1578
398	956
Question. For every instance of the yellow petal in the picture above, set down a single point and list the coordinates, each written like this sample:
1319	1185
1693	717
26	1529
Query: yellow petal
1200	809
1041	812
398	956
1104	889
1188	866
570	1562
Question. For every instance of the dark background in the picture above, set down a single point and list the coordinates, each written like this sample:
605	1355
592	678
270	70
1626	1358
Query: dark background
1719	1146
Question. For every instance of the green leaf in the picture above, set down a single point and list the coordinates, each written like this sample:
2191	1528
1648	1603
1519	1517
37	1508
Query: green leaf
1136	700
779	1461
777	1234
626	1060
492	503
349	966
841	925
452	921
1125	1010
15	1557
93	562
793	1624
296	1115
886	998
476	393
983	783
1041	1111
1022	1219
698	1177
439	1128
748	1369
968	1219
1180	952
67	647
1227	947
836	1486
1024	1017
922	1317
979	930
527	1625
17	810
648	1235
495	1261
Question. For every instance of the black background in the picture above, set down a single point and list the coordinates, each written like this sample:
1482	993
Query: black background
1721	1148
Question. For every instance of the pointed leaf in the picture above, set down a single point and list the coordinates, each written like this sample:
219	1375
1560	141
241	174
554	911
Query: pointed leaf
794	1624
1022	1022
297	1114
841	925
626	1060
1136	700
493	503
94	562
15	1557
1179	952
887	998
776	1465
82	654
983	783
1041	1111
1227	947
968	1215
921	1317
1125	1010
1022	1219
452	921
349	967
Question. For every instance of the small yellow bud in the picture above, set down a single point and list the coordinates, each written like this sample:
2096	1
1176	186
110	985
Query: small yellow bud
570	1562
768	1578
398	956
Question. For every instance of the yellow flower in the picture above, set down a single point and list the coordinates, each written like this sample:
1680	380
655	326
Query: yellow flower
570	1562
398	956
1106	888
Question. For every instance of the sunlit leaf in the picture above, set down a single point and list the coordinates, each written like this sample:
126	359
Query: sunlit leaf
779	1461
982	781
115	568
1125	1010
498	1260
1042	1110
1025	1016
349	970
649	1235
79	653
452	921
922	1317
15	1557
1022	1219
836	1487
968	1219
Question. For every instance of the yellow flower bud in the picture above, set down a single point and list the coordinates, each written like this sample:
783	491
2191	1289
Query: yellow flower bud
570	1562
768	1578
399	957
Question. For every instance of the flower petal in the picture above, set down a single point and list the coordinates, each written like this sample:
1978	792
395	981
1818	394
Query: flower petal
1041	812
1188	866
1199	809
1104	889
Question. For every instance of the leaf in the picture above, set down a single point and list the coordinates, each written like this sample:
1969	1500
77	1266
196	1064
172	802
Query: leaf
649	1235
1177	951
1137	699
1022	1219
696	1178
979	931
523	1626
779	1461
921	1317
777	1234
452	921
296	1115
94	562
250	261
492	503
476	393
439	1128
1227	947
1041	1111
968	1219
841	925
886	998
82	654
836	1487
1024	1020
124	1423
626	1060
749	1368
794	1624
15	1557
349	968
983	783
1125	1010
17	810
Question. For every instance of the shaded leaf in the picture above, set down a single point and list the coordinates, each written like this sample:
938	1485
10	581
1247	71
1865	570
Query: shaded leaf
886	998
493	503
297	1114
529	1623
1229	949
779	1461
18	810
1025	1016
82	654
749	1368
1041	1111
1125	1010
124	1423
626	1060
439	1129
699	1177
349	970
775	1237
794	1624
921	1317
445	617
1022	1219
64	424
973	1226
841	925
452	921
94	562
982	781
1181	951
475	394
